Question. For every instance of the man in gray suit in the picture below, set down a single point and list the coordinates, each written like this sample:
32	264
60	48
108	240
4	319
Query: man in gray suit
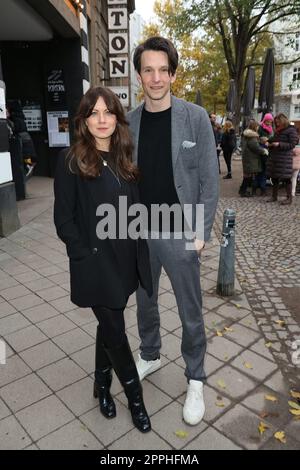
176	153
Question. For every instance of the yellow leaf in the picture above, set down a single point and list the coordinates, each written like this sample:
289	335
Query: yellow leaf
221	383
295	394
181	434
268	345
220	404
295	412
280	436
228	330
226	358
280	322
270	398
248	365
219	333
238	305
262	427
294	405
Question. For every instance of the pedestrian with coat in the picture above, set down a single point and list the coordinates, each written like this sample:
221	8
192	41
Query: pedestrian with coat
252	154
228	145
105	269
280	164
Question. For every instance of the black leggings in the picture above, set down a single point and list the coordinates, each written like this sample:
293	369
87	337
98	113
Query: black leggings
112	326
227	157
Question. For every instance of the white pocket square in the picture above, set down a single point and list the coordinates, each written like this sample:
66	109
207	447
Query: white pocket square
186	144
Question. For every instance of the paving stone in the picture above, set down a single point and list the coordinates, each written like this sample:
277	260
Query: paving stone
172	414
4	411
171	347
237	385
41	355
222	348
13	322
80	316
25	338
52	293
150	391
13	370
106	432
73	341
242	335
138	441
274	444
261	367
72	436
24	392
63	304
12	435
210	302
167	300
170	379
231	313
85	358
43	417
241	425
61	374
6	309
22	303
56	326
169	320
260	347
78	397
210	439
40	312
278	383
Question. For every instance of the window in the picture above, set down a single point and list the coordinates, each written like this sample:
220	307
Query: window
297	110
296	77
297	42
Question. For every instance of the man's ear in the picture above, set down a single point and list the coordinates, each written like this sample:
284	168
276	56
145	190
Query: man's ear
173	78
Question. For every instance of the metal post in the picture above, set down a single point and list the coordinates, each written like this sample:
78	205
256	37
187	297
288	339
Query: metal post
225	284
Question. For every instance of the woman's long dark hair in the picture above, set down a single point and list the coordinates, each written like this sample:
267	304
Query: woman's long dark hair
84	156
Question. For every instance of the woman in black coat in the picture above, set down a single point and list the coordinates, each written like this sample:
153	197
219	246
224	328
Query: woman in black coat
280	164
228	144
91	180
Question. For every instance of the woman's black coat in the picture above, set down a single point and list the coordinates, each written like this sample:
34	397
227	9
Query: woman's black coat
94	270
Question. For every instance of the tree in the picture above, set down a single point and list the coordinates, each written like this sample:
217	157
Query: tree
239	23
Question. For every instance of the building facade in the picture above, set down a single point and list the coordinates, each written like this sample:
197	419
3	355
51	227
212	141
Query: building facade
287	49
51	52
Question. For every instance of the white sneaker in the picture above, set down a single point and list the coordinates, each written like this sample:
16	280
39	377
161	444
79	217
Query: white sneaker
194	407
145	368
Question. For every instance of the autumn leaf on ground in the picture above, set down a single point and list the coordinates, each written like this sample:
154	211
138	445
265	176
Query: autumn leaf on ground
280	322
271	398
237	305
248	365
295	394
295	412
268	345
220	403
181	434
263	415
228	330
226	358
280	436
221	383
294	405
262	427
219	333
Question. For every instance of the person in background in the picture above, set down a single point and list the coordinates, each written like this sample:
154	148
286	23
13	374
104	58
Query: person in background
217	134
280	164
265	133
105	270
296	166
228	144
252	154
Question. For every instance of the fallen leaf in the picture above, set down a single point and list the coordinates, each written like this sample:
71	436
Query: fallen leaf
294	405
295	412
237	305
271	398
221	383
226	358
280	322
262	427
280	436
228	330
220	404
295	394
219	333
181	434
268	345
263	415
248	365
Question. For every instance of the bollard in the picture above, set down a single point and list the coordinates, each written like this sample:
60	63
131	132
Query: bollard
225	283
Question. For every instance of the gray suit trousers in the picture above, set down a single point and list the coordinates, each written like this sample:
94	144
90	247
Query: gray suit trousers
183	269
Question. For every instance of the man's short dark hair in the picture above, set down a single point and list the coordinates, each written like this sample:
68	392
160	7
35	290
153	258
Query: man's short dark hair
157	43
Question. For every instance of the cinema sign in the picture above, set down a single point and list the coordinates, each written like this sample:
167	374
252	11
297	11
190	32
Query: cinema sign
118	46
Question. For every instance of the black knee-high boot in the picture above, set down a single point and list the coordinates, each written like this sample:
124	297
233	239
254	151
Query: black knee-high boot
123	363
103	379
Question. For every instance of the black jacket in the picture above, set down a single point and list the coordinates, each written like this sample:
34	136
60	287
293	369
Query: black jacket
280	165
96	277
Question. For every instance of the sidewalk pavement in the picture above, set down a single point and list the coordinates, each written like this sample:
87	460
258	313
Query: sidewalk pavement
46	397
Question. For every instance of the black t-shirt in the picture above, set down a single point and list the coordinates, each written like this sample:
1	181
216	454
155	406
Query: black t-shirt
155	162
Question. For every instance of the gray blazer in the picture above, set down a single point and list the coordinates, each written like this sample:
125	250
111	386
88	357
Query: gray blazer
195	167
